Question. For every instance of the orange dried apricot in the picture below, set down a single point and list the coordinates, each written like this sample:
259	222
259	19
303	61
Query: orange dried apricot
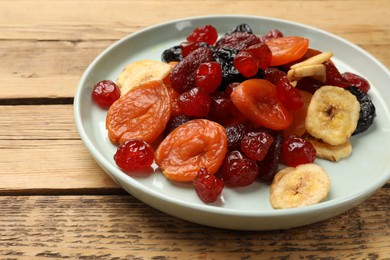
141	113
299	116
193	145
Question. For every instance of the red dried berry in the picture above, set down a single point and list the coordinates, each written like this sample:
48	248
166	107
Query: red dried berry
188	47
134	155
205	33
357	81
105	93
275	33
297	150
220	108
309	84
208	76
334	77
182	76
261	52
246	64
207	186
255	145
287	94
238	170
237	40
194	102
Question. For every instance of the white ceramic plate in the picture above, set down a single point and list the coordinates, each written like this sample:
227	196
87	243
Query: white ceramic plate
352	180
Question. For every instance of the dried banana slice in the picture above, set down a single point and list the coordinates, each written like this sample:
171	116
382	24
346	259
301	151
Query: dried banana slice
315	60
329	152
332	115
140	72
305	185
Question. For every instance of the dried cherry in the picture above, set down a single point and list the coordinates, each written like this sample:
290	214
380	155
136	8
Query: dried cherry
207	186
297	150
105	93
134	155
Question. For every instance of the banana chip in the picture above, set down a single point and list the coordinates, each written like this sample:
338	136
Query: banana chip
140	72
332	115
304	185
329	152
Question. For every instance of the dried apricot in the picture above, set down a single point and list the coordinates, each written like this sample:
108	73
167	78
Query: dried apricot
299	116
191	146
141	113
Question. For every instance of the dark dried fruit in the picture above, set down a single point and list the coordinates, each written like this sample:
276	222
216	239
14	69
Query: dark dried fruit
207	186
230	74
242	28
220	108
182	76
269	165
238	170
175	122
367	110
235	133
172	54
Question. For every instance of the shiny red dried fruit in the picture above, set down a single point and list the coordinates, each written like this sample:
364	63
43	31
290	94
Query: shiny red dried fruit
207	186
194	102
274	33
287	94
246	64
208	76
255	145
134	155
237	40
182	76
206	33
296	151
105	93
334	77
238	170
357	81
220	108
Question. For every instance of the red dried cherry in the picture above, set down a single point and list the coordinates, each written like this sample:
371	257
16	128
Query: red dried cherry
194	102
334	77
357	81
205	33
269	165
255	145
296	151
134	155
237	40
207	186
220	108
182	76
208	76
105	93
238	170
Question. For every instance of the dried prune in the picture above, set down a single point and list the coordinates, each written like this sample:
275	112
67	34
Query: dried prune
225	57
367	110
242	28
172	54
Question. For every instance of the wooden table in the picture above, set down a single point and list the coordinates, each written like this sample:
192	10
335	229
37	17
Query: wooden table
55	201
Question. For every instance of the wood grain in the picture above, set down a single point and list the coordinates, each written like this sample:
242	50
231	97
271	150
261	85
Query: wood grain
112	227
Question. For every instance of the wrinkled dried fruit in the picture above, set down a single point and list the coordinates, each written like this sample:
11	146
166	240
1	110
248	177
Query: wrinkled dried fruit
207	186
134	155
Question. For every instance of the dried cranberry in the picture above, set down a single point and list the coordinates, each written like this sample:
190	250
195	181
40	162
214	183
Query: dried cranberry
334	77
234	134
188	47
207	186
134	155
105	93
287	94
194	102
237	40
297	150
238	170
274	33
255	145
175	122
220	108
357	81
246	64
309	84
208	76
269	165
206	33
182	76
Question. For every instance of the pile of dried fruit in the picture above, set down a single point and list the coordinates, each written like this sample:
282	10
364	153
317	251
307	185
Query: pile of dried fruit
231	110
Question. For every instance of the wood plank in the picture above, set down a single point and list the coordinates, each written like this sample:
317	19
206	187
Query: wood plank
112	227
